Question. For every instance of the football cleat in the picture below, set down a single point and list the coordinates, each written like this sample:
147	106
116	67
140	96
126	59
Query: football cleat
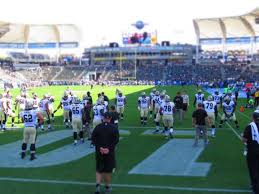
32	158
23	155
156	131
108	190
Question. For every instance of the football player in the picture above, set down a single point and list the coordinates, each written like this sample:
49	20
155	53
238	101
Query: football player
35	101
65	104
231	96
151	96
9	107
143	107
2	112
167	111
20	103
51	107
98	111
210	107
186	102
85	99
158	103
44	109
199	98
77	110
229	108
29	118
217	97
120	102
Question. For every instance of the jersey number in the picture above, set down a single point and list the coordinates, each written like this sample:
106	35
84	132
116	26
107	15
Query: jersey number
75	110
27	118
209	105
167	108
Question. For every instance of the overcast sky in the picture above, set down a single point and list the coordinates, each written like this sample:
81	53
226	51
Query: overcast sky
103	21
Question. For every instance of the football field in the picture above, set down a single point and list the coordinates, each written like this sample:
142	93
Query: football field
146	163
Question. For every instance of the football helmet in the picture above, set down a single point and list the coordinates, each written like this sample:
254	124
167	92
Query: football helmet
167	98
157	93
154	90
28	105
210	98
76	100
143	93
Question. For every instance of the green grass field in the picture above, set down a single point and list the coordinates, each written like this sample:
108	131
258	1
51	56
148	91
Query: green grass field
225	152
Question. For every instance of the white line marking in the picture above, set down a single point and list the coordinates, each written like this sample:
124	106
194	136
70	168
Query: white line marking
133	186
244	115
232	129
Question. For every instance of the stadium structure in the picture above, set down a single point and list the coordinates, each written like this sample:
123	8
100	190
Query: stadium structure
225	36
226	50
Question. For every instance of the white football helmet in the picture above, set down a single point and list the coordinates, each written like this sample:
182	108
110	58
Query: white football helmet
28	105
210	98
167	98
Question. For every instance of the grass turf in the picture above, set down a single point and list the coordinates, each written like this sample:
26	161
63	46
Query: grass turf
225	152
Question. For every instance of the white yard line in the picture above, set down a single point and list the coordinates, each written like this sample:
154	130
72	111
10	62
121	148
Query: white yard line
132	186
232	129
244	115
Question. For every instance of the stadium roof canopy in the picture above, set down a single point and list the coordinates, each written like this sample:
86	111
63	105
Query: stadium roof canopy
40	36
228	28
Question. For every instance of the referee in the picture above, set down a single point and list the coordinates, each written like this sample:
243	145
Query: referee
105	137
251	139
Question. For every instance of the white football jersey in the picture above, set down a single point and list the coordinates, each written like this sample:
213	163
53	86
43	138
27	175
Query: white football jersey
217	98
185	99
120	101
65	103
199	98
156	100
209	106
228	107
152	94
35	102
29	118
21	101
143	102
167	108
76	110
98	109
43	104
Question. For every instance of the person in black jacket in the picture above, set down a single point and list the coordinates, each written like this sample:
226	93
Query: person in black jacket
115	116
251	140
90	99
105	137
105	98
178	101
